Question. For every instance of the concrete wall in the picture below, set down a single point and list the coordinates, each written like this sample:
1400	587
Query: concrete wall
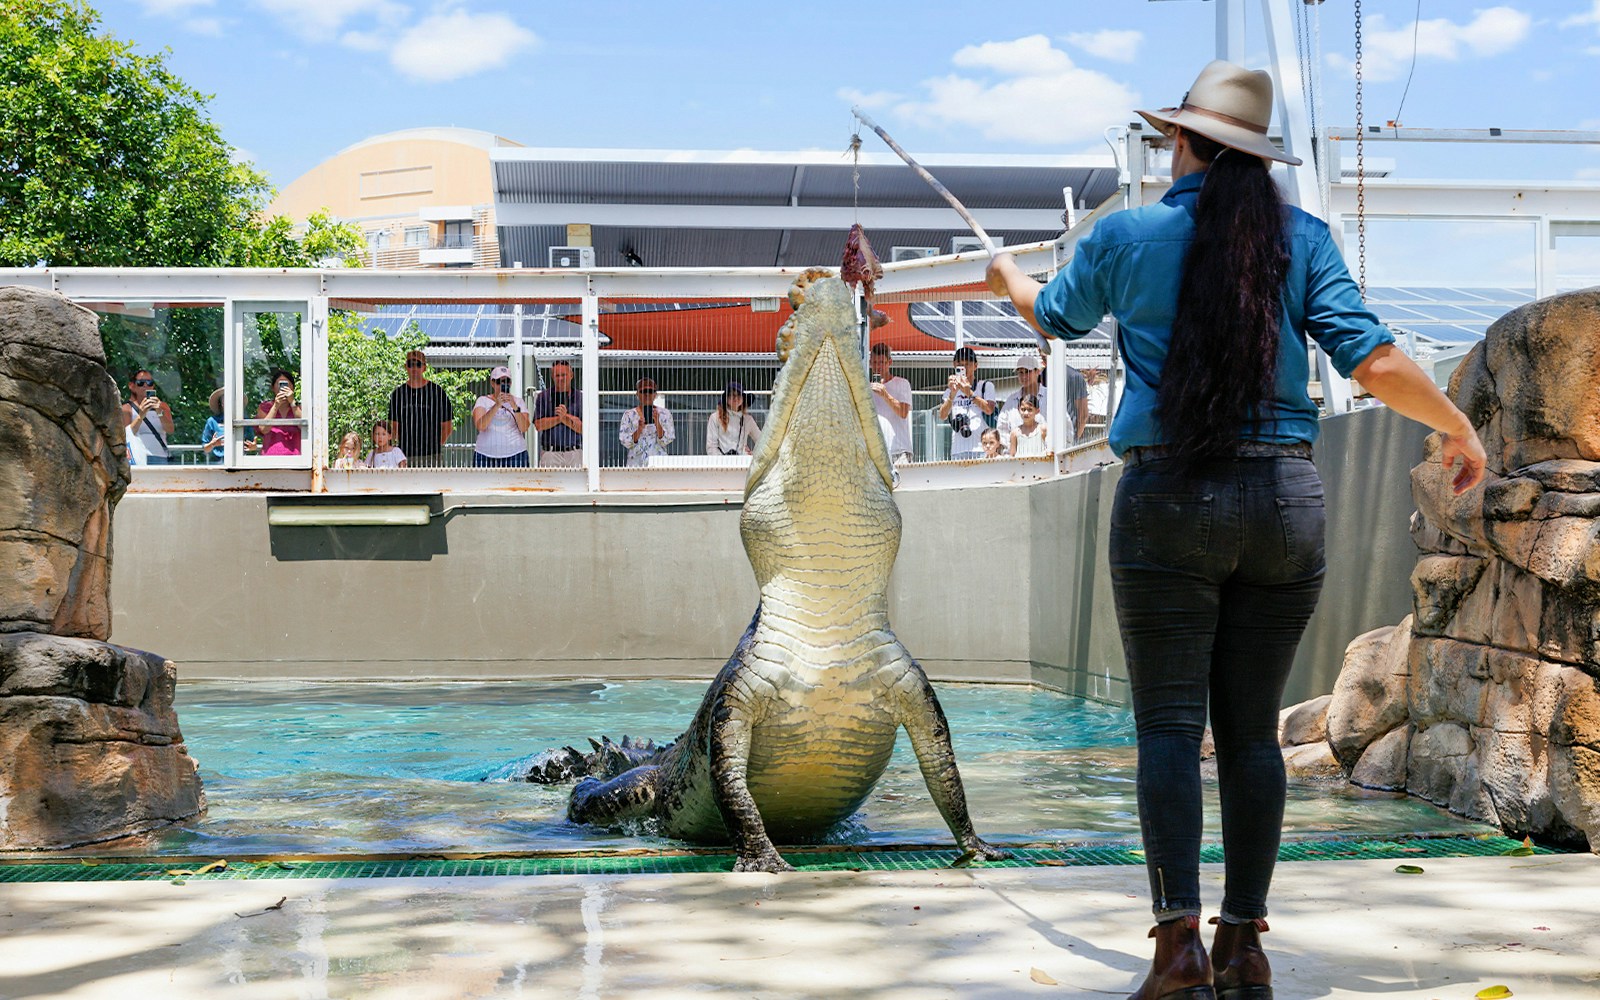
997	583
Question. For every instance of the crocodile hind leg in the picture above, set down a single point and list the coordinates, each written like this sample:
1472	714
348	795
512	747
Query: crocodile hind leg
630	795
917	709
731	724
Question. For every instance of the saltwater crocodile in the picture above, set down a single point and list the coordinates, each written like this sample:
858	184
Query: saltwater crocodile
798	725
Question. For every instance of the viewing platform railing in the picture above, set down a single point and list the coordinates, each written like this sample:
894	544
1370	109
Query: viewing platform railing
342	336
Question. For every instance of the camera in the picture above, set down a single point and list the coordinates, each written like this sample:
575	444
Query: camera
961	424
876	377
504	384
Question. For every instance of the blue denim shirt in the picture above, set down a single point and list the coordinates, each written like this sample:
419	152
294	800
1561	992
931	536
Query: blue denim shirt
1130	267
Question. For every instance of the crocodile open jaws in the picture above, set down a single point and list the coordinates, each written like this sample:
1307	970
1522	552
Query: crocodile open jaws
798	726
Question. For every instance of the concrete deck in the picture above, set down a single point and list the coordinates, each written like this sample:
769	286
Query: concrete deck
1340	929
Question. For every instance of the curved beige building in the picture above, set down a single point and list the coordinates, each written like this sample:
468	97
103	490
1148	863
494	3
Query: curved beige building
424	196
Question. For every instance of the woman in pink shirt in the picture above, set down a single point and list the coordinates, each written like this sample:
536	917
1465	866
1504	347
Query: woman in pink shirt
280	440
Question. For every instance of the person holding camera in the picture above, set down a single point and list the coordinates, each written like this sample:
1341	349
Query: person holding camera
891	397
148	420
646	429
968	402
280	439
558	417
731	430
502	423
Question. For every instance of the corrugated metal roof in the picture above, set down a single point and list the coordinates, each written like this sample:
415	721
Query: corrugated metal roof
763	179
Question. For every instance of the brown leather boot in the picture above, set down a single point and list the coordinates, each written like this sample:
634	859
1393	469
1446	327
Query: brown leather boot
1242	972
1181	970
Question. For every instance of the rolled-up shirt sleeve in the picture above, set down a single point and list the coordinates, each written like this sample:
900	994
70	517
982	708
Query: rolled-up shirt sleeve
1336	317
1075	300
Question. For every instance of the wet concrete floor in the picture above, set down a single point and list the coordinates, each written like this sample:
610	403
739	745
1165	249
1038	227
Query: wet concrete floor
1340	929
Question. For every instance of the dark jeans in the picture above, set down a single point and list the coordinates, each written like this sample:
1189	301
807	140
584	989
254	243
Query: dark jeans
517	461
1215	573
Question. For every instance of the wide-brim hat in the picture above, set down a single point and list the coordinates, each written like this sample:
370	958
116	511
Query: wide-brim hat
215	402
1229	104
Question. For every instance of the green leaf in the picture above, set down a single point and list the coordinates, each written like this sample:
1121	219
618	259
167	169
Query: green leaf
1493	993
1408	869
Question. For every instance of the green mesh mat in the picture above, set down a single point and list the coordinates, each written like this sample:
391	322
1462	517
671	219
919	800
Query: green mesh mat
666	862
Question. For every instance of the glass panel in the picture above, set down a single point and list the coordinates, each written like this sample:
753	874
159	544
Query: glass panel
273	397
179	349
1425	263
1575	247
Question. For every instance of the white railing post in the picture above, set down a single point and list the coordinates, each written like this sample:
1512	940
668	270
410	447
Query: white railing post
1302	189
591	387
319	391
1230	30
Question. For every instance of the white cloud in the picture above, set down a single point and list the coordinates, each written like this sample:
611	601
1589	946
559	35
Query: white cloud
364	41
455	43
166	8
320	20
204	26
862	99
1031	91
1117	46
1387	51
1578	20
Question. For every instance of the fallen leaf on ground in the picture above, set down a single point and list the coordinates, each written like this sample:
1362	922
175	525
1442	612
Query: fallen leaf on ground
256	913
1408	869
1042	977
1051	862
215	866
1496	992
1522	850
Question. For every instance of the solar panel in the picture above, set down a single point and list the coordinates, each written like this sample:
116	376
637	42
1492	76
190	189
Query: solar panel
986	322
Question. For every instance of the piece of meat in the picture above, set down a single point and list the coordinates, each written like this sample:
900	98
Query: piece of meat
860	267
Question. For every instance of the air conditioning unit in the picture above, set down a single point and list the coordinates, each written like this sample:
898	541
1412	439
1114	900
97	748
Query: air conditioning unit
911	253
572	257
967	244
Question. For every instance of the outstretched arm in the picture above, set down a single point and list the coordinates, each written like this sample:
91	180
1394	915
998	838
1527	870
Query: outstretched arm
1394	378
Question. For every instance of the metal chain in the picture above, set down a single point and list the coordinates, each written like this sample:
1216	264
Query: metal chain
1361	170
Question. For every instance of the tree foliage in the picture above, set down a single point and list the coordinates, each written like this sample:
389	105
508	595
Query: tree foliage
108	159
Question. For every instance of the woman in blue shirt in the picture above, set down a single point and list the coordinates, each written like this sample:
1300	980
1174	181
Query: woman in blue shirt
1216	539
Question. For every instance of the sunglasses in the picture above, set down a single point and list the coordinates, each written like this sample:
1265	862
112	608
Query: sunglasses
144	381
416	364
504	384
647	392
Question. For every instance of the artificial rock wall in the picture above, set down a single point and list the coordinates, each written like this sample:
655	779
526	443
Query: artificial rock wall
90	748
1486	700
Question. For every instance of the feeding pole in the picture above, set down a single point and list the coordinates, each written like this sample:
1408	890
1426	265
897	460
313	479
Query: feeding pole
944	192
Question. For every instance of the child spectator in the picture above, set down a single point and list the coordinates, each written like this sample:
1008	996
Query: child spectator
212	438
1028	439
992	448
384	454
349	452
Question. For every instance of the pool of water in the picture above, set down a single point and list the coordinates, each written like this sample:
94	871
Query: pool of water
373	768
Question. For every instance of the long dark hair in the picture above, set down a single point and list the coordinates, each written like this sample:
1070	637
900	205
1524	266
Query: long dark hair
722	404
1222	362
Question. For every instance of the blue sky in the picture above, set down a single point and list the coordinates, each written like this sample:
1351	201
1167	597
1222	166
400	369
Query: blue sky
297	80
